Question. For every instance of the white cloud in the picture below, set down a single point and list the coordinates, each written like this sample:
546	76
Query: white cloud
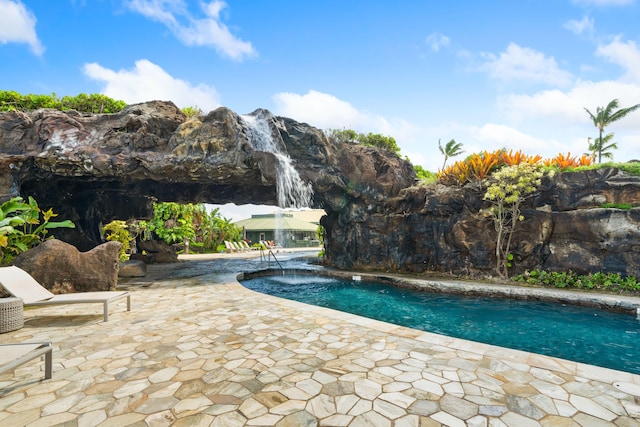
568	107
326	111
437	40
518	64
496	136
148	81
624	54
554	105
18	25
582	26
192	31
322	110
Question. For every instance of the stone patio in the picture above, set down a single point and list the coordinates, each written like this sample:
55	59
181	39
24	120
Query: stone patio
198	349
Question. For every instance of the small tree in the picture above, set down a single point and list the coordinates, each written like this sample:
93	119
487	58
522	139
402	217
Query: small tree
377	140
601	148
342	136
451	149
510	186
604	117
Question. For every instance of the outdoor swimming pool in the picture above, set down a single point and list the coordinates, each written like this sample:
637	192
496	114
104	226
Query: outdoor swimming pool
581	334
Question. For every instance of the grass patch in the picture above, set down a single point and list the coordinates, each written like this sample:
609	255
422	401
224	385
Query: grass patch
623	206
632	168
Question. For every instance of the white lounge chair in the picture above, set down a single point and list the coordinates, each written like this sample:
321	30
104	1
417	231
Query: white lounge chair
20	284
14	355
241	245
245	246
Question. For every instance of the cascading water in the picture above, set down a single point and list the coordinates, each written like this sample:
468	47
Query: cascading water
291	191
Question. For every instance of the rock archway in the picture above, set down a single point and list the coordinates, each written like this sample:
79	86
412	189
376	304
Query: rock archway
96	168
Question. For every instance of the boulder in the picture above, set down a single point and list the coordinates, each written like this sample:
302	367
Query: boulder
132	268
154	252
61	268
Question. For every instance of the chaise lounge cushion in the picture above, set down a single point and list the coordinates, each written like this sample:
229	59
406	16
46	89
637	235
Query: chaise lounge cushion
20	284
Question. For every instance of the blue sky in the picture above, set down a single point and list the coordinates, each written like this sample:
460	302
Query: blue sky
491	74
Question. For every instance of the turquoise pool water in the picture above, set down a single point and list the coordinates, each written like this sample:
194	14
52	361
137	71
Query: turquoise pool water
580	334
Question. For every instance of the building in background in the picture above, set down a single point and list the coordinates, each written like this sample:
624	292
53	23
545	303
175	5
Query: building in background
286	229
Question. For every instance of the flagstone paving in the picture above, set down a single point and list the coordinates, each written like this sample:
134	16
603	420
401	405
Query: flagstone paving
204	351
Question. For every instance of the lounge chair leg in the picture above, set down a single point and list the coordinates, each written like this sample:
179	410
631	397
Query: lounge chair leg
48	363
129	302
106	311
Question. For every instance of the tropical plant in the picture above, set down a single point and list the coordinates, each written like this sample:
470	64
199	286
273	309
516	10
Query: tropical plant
192	111
21	227
604	147
515	158
562	161
483	164
509	188
475	167
370	139
217	229
451	149
458	173
173	222
603	117
118	231
192	224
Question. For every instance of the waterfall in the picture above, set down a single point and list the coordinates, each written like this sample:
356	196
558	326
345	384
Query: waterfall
291	191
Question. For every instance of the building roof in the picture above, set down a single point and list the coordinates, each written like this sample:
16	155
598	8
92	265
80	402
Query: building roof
275	222
308	215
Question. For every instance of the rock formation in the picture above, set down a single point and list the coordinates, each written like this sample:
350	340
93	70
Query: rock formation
96	168
439	228
61	268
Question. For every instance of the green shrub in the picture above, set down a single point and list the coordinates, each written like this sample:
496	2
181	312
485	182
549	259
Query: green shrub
118	231
94	103
604	282
632	168
22	228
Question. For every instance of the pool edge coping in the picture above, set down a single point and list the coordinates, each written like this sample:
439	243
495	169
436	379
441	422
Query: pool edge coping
537	360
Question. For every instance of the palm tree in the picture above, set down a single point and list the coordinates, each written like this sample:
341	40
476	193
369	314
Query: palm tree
605	149
605	116
451	149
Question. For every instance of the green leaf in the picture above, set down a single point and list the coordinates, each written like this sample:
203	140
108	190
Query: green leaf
60	224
